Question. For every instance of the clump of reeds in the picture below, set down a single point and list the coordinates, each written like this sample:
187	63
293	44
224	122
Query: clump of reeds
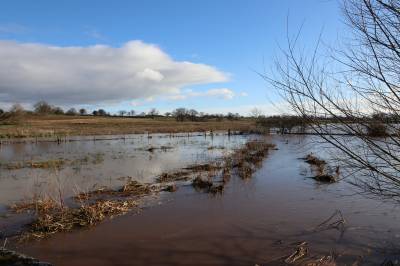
249	158
313	160
50	164
201	183
38	205
92	207
203	167
170	188
136	188
131	188
322	171
207	185
51	217
170	177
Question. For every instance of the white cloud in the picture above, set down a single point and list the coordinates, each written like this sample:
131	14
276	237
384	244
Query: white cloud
96	74
222	93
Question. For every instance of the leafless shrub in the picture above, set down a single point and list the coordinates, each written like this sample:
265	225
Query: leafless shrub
355	81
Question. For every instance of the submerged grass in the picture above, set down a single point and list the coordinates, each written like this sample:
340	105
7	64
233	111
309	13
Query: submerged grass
90	208
49	164
212	177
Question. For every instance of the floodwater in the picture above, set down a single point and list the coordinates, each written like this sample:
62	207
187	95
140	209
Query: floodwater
86	164
255	221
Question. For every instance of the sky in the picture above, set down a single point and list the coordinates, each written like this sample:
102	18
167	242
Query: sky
138	55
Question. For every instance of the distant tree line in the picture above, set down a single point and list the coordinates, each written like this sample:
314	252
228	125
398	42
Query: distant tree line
285	123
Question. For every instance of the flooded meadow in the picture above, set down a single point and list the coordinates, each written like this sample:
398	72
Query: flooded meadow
190	199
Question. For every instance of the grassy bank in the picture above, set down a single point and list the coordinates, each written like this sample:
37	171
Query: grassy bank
58	125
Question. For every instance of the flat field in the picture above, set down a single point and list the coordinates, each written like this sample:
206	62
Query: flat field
58	125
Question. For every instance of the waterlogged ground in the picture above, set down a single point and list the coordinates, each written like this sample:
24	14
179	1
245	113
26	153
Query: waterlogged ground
255	221
29	169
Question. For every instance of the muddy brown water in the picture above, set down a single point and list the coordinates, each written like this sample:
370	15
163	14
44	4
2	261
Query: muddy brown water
259	220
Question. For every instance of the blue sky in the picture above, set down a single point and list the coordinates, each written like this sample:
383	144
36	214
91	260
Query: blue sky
226	42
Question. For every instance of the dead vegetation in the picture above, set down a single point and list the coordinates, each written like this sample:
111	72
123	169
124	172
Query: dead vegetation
324	173
130	189
170	177
49	164
300	257
60	218
90	208
161	148
212	177
313	160
50	126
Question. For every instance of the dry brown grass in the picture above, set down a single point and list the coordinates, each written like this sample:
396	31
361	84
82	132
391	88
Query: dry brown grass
49	164
58	219
248	159
92	207
313	160
131	188
319	166
58	125
52	216
212	177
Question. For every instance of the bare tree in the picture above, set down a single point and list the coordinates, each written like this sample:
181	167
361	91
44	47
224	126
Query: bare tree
43	107
153	112
180	114
82	111
71	111
338	97
256	112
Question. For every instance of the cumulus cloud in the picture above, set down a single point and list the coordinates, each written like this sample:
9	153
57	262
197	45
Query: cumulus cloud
94	74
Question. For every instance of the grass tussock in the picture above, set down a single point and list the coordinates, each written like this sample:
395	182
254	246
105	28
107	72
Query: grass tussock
320	167
244	162
171	177
248	159
61	219
51	216
131	188
49	164
313	160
